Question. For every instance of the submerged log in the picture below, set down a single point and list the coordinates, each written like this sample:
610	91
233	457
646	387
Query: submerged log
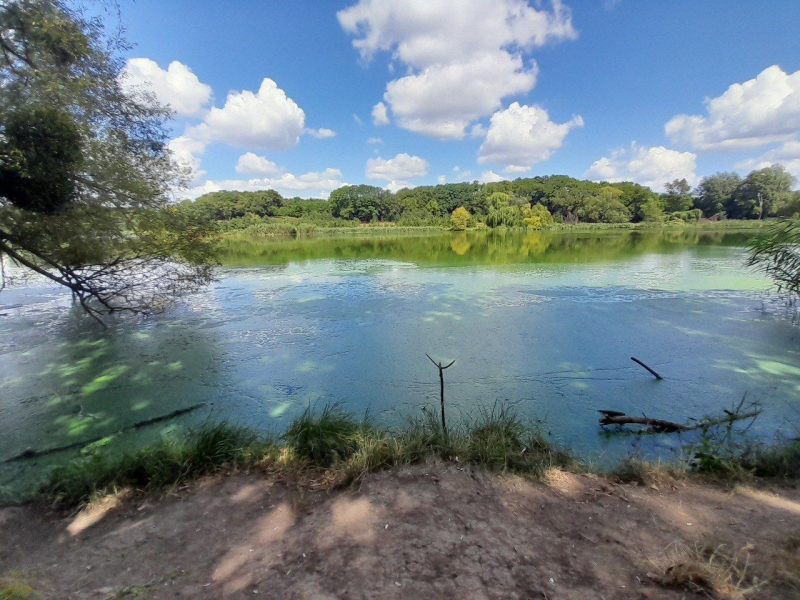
31	453
739	413
658	424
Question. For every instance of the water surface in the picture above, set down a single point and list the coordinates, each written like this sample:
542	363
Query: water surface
546	322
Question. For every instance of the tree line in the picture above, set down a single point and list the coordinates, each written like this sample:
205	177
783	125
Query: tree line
526	202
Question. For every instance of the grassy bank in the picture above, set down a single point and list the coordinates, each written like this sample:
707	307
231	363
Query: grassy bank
332	448
330	445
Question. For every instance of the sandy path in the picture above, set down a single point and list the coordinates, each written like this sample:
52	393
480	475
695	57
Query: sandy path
424	532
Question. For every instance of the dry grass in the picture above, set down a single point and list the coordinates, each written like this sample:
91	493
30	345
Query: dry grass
643	472
715	571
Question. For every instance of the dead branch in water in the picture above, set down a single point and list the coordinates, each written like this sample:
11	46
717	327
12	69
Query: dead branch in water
739	413
31	453
652	372
656	424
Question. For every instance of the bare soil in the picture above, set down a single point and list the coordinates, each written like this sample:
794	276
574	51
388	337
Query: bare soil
429	531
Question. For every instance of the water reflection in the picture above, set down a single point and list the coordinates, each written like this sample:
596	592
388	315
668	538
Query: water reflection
493	247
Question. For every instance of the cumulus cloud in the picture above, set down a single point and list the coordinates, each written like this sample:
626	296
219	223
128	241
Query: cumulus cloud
461	57
491	177
187	152
395	185
522	136
652	167
401	167
477	131
787	155
379	116
321	133
176	86
265	119
750	114
253	164
312	184
441	180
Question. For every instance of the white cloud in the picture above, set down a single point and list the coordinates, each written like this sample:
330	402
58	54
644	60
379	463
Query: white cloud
394	185
652	167
461	57
443	100
357	119
266	119
177	87
374	140
379	116
187	152
401	167
313	184
491	177
522	136
750	114
478	131
257	165
441	180
787	155
321	133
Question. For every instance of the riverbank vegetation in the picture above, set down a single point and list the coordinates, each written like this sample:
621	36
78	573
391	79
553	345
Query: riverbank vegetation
543	202
329	448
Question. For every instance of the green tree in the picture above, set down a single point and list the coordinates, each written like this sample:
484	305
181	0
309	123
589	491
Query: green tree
362	202
763	193
538	217
715	193
677	196
85	175
459	219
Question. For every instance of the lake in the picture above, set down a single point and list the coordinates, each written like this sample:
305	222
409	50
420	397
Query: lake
547	322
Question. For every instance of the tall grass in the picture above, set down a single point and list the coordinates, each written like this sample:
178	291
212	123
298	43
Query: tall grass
166	463
329	440
344	449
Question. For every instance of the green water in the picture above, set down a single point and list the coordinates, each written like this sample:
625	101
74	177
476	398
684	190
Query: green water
547	323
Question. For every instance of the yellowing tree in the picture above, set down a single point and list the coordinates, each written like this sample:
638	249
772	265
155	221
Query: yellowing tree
459	219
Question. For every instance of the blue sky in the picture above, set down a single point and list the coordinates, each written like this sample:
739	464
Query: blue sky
639	90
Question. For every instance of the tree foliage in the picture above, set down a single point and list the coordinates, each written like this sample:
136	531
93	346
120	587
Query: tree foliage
459	219
85	175
763	193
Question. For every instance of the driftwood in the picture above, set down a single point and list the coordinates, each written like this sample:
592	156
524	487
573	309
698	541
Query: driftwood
31	453
657	424
739	413
652	372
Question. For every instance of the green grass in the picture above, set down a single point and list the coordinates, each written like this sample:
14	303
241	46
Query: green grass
330	441
161	465
342	448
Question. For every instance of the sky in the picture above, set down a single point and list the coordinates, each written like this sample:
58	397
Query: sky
304	96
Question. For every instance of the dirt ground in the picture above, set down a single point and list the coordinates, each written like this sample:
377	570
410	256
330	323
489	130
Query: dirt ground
430	531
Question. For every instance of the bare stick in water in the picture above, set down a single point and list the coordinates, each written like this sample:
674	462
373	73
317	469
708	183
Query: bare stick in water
652	372
441	387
